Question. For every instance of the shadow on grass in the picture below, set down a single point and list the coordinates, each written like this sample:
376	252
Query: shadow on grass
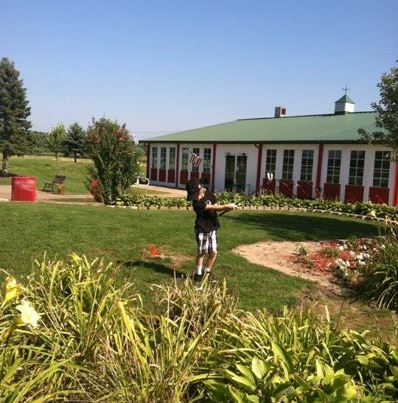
310	227
154	266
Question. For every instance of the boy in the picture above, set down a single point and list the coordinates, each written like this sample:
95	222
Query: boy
205	206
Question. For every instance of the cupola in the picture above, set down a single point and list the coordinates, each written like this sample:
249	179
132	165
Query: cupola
344	105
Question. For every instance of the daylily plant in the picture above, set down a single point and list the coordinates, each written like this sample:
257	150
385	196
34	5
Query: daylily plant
28	315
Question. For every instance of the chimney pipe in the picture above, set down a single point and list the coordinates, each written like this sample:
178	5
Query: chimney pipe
280	112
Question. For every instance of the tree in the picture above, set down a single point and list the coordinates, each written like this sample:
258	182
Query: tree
14	113
56	139
115	157
75	140
386	113
38	143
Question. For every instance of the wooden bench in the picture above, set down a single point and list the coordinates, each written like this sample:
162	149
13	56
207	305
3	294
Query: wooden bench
56	185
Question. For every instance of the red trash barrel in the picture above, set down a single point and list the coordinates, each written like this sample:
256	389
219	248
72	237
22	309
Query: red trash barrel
23	188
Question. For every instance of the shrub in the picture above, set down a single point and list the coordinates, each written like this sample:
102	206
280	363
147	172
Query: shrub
115	157
366	209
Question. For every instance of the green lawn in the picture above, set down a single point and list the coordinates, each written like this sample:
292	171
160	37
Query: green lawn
45	168
123	236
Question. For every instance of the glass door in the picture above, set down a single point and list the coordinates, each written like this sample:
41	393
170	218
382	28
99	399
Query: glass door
229	173
235	173
241	163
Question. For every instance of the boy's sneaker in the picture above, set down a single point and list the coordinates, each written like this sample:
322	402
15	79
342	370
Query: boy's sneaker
209	275
197	277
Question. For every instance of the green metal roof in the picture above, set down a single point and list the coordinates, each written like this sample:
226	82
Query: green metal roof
345	99
295	129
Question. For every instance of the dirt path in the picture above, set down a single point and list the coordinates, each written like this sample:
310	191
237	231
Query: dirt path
280	256
345	309
5	194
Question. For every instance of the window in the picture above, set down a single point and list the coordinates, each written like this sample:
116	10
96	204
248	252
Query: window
357	163
270	162
206	160
172	158
381	171
163	153
288	162
184	161
154	157
195	168
334	164
307	162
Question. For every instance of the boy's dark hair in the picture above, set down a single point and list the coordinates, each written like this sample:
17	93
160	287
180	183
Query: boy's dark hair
192	187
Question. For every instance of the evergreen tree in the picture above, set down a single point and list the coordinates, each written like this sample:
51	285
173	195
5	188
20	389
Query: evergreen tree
14	113
56	139
38	143
75	141
386	113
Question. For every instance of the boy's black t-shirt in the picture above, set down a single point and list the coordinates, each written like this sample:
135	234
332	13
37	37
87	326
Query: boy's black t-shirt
206	220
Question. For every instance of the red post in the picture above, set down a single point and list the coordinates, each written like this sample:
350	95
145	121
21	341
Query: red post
395	196
259	157
177	164
213	171
148	153
319	168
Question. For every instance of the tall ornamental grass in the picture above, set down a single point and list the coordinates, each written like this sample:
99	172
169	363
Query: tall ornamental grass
70	335
381	274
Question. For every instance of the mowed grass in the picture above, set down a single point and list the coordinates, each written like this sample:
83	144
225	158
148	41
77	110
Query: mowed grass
45	168
123	237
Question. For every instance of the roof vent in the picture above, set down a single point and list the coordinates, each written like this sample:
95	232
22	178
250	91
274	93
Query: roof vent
280	112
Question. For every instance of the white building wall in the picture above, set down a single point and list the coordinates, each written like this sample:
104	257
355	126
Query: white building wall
178	158
159	146
251	152
298	151
367	182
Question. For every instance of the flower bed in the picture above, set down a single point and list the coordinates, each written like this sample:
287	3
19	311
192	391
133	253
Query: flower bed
366	209
344	259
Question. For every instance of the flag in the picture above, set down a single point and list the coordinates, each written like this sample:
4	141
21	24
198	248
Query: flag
195	159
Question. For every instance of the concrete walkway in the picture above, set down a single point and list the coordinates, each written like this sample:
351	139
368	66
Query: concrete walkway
5	194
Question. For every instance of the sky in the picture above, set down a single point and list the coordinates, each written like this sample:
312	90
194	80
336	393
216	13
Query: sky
166	66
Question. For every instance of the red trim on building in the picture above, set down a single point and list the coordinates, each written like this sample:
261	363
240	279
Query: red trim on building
154	174
259	158
183	177
395	198
177	164
213	173
319	166
162	175
304	190
331	191
148	154
379	195
205	179
286	187
353	193
268	186
171	175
